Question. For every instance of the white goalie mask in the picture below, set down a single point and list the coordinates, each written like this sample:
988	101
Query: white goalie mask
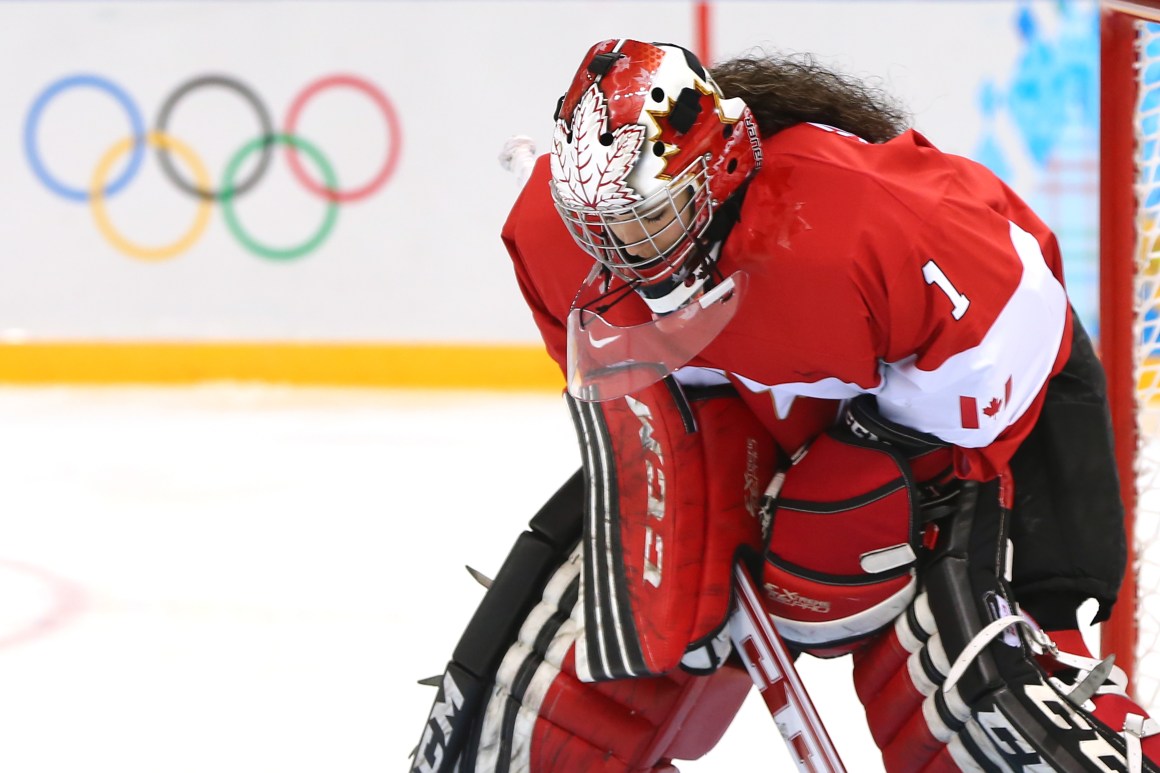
645	149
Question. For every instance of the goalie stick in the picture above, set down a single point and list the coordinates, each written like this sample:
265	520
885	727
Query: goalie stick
771	667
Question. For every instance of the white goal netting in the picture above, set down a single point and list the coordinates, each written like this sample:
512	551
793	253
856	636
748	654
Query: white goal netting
1147	519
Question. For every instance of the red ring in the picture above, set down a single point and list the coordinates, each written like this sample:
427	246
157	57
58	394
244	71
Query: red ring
396	136
68	602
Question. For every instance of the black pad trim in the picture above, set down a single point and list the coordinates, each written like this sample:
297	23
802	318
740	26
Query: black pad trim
560	521
863	412
842	505
853	580
497	620
682	402
456	709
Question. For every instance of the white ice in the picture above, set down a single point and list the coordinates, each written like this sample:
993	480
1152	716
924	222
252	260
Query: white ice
245	579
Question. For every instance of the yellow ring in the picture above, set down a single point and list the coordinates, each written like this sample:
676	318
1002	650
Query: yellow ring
100	214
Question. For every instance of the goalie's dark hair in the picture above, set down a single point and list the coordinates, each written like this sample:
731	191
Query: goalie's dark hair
786	90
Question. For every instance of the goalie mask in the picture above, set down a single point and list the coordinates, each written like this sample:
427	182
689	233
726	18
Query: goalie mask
645	149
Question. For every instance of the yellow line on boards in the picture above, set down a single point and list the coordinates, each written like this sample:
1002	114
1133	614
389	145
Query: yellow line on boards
436	366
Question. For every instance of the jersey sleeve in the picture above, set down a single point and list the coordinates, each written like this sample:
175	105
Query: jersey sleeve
529	234
552	330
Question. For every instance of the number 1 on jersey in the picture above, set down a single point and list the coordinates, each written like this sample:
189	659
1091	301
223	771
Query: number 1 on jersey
934	275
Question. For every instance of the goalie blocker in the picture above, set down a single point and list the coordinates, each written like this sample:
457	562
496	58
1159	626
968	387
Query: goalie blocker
964	681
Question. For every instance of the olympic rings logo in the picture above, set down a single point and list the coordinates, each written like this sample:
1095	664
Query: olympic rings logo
101	187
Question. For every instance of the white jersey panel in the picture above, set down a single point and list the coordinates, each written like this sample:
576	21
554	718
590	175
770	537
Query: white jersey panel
976	394
783	394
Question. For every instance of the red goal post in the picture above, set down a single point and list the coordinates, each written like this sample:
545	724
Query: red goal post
1130	317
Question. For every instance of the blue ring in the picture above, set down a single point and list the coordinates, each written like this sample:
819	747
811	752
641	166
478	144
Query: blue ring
32	123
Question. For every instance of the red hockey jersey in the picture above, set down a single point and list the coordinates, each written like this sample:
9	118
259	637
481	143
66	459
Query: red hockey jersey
892	269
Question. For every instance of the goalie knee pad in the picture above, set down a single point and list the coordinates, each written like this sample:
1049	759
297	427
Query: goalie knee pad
963	681
511	700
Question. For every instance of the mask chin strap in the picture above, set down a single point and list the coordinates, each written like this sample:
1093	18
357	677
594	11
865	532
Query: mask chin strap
672	294
601	277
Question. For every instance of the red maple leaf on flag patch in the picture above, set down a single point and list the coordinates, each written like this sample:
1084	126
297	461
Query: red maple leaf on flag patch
992	407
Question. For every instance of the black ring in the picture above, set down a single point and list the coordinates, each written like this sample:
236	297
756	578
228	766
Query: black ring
247	94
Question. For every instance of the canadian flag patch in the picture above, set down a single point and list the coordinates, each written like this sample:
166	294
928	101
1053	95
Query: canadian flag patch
974	412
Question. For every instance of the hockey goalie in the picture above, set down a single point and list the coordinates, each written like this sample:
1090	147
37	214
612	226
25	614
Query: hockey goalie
801	340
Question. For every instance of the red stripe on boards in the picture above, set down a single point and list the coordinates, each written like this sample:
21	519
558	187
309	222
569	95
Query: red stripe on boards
702	31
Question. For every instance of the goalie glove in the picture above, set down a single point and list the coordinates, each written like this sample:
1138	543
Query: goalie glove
964	681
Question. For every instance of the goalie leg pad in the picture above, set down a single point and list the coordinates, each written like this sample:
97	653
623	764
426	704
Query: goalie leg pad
893	673
539	716
511	701
987	700
534	557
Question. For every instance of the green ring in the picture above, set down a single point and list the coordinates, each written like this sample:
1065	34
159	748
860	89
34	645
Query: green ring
227	198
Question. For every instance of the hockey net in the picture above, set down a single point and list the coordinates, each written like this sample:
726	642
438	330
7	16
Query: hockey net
1130	317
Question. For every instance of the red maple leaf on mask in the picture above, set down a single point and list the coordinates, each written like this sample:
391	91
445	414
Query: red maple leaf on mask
992	407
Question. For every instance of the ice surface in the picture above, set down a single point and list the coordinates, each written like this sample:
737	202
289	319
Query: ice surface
246	579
